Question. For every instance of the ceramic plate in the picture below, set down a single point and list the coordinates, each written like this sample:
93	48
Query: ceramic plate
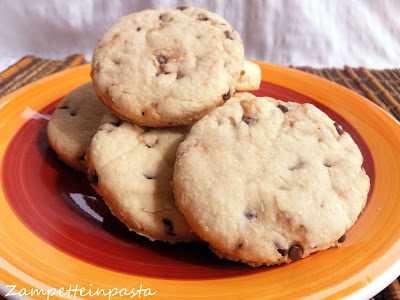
56	233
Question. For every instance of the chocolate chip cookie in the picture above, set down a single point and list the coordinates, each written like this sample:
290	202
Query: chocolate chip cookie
131	167
167	67
250	77
73	125
269	182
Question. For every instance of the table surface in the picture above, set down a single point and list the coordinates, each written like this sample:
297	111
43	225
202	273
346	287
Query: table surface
379	86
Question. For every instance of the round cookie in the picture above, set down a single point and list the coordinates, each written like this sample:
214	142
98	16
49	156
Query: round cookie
73	125
131	167
167	67
269	182
250	77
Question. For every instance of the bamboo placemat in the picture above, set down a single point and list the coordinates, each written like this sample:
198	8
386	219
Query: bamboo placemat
30	68
379	86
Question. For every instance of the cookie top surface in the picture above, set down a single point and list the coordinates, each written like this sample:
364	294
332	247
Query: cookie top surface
131	167
167	67
74	123
267	182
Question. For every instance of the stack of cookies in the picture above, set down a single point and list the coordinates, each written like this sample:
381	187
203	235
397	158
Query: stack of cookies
180	153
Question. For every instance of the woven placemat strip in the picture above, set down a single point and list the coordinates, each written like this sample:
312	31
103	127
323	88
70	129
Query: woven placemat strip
379	86
30	68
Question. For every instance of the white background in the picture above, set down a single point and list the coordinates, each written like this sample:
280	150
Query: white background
317	33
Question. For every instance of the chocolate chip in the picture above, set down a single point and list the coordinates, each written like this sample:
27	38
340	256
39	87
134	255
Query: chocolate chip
138	29
179	75
169	229
342	238
97	67
295	252
94	179
81	157
250	215
227	95
181	7
73	113
249	121
152	144
64	107
149	177
161	59
229	35
299	165
202	17
116	123
142	113
338	128
162	71
327	165
283	108
283	252
246	120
